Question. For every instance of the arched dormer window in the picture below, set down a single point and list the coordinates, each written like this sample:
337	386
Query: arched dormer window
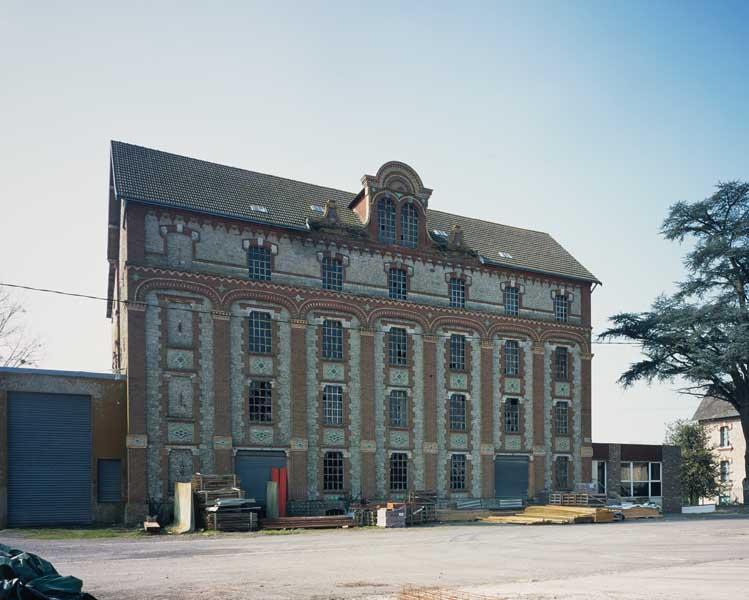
409	226
386	220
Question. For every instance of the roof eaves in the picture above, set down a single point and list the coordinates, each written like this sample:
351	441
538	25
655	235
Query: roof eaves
496	263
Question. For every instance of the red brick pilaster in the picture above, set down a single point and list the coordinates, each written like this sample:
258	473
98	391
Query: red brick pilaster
366	374
137	439
487	417
538	417
298	450
430	412
586	414
222	442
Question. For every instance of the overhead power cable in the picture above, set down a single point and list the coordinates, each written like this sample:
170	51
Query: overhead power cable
204	311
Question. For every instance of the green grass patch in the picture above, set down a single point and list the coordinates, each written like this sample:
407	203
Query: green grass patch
279	531
55	533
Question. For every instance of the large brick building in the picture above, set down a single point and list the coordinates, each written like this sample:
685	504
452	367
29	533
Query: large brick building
367	342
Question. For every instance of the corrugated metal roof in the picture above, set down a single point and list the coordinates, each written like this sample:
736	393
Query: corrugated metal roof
165	179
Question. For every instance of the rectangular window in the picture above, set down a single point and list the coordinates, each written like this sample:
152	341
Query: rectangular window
457	352
397	286
640	479
332	467
562	472
511	299
458	412
332	274
457	289
398	408
561	308
332	340
724	470
386	220
258	260
259	333
409	226
397	347
561	364
512	358
512	415
725	442
109	480
398	472
261	402
458	472
561	418
332	405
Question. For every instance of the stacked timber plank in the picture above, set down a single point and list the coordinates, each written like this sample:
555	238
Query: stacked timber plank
448	515
326	522
209	489
556	515
640	512
232	515
577	499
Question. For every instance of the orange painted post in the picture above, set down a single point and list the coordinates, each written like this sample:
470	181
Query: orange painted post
283	485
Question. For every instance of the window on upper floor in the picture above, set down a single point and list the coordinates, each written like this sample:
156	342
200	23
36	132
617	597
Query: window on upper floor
457	291
332	471
397	347
259	263
398	408
512	415
259	333
386	220
398	472
561	308
332	405
512	358
458	472
561	364
409	226
457	352
397	284
458	412
260	402
332	274
332	340
511	300
561	418
724	438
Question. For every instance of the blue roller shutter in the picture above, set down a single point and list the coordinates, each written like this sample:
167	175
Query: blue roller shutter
511	477
49	459
109	480
253	471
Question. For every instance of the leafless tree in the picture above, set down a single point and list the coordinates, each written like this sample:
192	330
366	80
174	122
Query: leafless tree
18	348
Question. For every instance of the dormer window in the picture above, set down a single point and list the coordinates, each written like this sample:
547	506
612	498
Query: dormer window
386	220
409	226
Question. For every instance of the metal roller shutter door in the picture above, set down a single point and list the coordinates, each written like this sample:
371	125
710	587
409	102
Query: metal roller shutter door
253	471
49	459
511	477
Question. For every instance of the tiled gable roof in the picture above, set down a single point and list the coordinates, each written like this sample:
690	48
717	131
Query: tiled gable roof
711	408
165	179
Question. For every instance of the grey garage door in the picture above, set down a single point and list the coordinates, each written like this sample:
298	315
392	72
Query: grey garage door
49	459
253	470
511	477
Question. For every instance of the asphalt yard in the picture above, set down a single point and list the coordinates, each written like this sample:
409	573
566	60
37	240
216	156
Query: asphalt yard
666	559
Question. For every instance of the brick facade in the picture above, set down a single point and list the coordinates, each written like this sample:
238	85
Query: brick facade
178	259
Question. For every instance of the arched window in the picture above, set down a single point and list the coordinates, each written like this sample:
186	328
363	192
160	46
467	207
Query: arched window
386	221
409	226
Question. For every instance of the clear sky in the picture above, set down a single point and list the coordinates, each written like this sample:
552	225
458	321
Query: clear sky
583	119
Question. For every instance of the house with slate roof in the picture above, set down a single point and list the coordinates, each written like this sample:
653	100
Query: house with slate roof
368	343
722	422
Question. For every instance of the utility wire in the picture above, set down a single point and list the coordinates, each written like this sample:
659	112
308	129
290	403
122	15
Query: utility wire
203	311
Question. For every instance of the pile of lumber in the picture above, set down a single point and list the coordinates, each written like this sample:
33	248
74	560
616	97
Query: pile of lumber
640	512
448	515
209	489
557	515
232	515
327	522
421	507
577	499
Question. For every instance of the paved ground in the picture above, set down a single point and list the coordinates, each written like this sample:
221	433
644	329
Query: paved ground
670	559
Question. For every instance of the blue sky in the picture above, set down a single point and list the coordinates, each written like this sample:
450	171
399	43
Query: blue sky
583	119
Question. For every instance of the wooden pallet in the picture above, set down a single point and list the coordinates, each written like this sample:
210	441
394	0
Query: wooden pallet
640	512
204	482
